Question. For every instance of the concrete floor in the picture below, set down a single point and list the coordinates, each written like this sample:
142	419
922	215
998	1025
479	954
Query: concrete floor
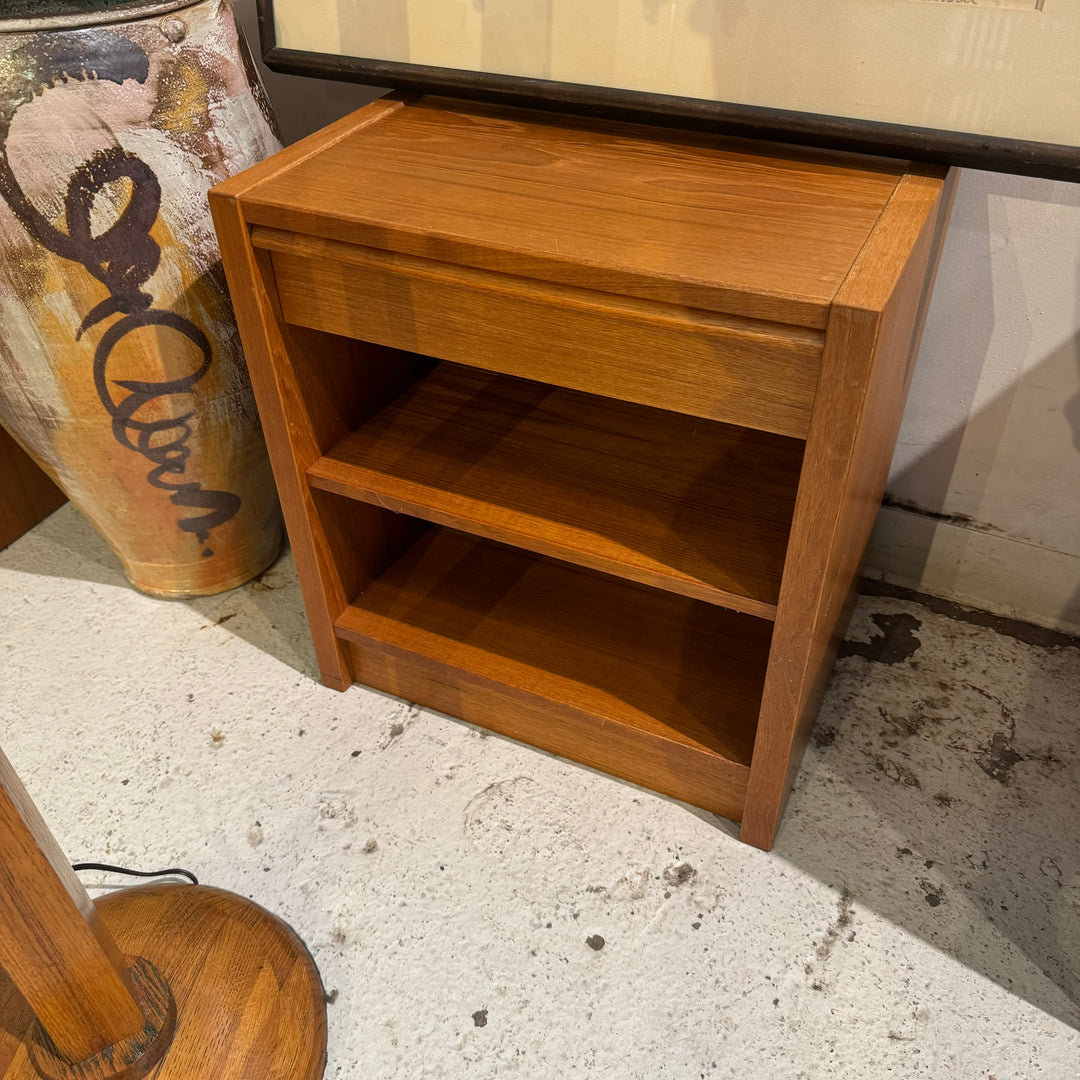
920	915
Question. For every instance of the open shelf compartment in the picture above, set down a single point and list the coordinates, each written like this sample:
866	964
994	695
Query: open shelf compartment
653	686
688	505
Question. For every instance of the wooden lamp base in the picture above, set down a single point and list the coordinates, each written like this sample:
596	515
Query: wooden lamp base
230	992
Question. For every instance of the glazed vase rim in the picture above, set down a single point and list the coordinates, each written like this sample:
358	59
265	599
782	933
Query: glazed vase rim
73	20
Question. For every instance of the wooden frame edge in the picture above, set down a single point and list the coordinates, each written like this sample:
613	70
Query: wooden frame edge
256	315
807	629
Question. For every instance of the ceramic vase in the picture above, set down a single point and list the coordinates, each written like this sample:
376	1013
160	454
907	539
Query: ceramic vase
121	371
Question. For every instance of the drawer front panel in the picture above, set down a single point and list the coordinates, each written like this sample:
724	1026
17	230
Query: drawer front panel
691	362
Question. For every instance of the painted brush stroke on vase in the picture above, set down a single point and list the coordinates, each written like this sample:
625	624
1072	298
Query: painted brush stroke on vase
121	370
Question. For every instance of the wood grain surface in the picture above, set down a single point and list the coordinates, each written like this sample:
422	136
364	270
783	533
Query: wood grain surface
737	370
870	351
53	944
175	981
26	494
689	773
627	270
622	653
695	220
310	389
651	687
699	508
248	998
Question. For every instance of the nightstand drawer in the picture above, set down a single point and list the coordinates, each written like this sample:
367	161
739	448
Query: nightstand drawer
722	368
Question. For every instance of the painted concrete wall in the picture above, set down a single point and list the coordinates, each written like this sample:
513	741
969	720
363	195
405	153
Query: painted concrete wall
985	484
983	503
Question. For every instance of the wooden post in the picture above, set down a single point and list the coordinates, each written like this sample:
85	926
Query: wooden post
53	944
181	982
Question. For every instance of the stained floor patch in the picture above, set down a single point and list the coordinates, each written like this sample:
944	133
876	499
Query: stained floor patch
679	875
964	764
895	644
999	758
1028	633
838	927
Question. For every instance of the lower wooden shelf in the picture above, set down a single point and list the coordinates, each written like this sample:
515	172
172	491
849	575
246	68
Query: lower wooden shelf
658	688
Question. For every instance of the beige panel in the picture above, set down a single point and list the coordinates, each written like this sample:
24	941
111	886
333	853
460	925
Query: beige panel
450	29
1018	5
298	23
585	34
999	67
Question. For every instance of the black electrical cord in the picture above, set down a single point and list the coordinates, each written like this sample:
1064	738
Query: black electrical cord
174	871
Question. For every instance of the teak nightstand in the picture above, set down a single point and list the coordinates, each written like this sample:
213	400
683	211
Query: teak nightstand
581	427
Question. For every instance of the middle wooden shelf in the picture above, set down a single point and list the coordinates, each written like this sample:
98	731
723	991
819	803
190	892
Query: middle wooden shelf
692	506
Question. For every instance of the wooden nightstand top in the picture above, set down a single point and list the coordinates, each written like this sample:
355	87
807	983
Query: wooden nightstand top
683	218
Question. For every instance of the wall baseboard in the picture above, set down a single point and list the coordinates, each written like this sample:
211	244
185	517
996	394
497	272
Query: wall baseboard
990	571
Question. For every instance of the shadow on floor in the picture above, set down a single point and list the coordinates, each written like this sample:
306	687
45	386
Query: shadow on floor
267	612
942	790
